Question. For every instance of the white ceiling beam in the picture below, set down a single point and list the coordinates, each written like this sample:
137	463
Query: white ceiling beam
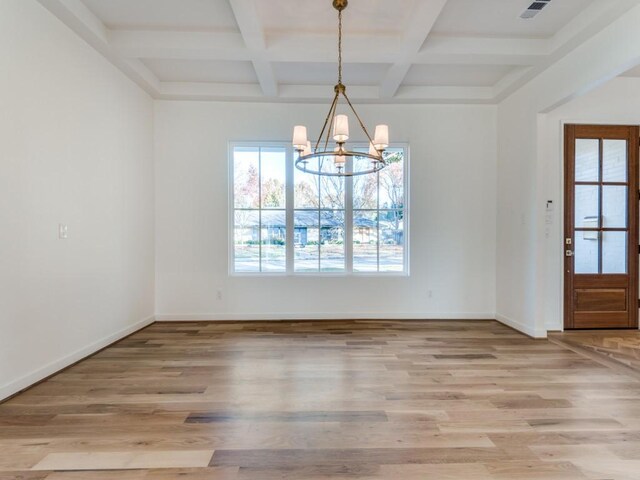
510	78
166	44
422	21
315	47
482	50
169	44
318	93
252	32
87	26
207	90
445	94
590	21
323	92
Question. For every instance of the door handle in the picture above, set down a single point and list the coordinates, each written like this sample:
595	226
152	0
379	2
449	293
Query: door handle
568	253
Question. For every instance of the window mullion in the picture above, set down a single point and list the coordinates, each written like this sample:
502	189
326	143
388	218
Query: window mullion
378	221
348	221
319	224
290	222
260	209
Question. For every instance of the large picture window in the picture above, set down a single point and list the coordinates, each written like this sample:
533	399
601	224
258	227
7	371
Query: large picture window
285	221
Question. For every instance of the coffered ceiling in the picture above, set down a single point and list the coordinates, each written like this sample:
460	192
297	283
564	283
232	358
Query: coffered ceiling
400	51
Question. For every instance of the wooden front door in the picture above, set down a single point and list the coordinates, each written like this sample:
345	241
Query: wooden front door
601	226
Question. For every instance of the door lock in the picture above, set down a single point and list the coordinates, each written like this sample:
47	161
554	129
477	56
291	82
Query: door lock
568	253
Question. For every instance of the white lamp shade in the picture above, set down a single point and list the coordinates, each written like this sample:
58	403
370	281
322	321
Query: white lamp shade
300	137
373	151
381	137
341	128
339	160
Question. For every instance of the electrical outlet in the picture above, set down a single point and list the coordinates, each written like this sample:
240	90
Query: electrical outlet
219	295
63	232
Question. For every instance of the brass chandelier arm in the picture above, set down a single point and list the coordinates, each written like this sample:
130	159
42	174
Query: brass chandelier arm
326	122
364	129
332	114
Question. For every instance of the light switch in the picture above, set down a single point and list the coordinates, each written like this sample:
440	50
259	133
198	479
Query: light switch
63	232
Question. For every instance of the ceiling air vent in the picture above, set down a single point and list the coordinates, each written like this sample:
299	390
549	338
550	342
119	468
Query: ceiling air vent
535	8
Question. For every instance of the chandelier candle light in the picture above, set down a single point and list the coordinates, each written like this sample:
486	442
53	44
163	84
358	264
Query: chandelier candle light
338	125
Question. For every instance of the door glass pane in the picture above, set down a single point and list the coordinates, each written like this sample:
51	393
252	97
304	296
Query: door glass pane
365	241
586	252
587	160
306	239
614	252
274	239
273	177
614	161
614	206
246	241
587	206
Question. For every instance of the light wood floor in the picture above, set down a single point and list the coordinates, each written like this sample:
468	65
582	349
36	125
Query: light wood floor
327	400
620	346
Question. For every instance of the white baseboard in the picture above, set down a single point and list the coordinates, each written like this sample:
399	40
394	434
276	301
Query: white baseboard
521	327
554	327
238	317
34	377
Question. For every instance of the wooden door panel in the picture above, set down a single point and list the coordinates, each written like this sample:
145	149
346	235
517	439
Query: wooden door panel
600	300
598	161
595	320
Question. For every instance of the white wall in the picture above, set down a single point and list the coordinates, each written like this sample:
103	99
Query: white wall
615	103
524	268
76	147
452	225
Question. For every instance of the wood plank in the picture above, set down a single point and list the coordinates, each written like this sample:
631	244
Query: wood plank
124	460
322	400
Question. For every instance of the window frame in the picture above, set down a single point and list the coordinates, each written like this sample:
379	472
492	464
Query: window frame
290	210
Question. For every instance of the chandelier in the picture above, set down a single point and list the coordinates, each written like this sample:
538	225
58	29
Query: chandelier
331	160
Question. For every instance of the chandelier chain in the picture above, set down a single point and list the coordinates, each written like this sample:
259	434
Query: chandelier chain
321	152
340	47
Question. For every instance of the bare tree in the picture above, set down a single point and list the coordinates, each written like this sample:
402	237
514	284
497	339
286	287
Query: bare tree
392	181
246	188
273	194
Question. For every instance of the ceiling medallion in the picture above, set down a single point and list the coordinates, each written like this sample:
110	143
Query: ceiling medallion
332	160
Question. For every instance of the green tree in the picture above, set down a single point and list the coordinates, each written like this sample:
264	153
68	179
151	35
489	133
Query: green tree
273	194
